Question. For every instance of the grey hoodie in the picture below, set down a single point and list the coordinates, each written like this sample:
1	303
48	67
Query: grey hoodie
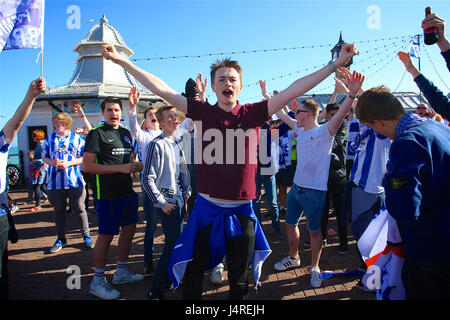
159	177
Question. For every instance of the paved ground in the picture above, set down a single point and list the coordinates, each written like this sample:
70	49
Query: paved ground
37	275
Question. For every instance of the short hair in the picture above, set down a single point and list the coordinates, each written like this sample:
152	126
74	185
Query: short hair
378	103
111	100
181	115
147	110
312	106
39	134
159	112
332	106
225	63
64	118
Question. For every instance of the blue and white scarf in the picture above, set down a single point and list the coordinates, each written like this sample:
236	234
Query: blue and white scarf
409	120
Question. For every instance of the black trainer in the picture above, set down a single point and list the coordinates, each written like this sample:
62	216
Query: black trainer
148	269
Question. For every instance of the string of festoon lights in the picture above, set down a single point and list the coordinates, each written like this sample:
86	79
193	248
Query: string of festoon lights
385	53
384	49
254	51
435	70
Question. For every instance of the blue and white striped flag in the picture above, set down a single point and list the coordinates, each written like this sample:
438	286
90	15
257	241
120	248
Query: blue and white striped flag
414	49
21	24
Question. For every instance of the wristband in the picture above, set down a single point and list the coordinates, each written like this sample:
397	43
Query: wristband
352	96
331	64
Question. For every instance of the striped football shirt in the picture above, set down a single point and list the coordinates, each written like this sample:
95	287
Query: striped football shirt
69	147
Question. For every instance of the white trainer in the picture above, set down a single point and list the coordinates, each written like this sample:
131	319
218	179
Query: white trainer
217	274
127	277
316	278
287	263
104	291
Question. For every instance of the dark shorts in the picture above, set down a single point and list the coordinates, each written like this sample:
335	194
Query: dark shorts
285	177
116	213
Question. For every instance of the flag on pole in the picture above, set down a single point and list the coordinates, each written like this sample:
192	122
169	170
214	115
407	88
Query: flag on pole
21	24
414	49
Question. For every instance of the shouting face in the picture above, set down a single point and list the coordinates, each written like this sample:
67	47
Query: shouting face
112	114
227	85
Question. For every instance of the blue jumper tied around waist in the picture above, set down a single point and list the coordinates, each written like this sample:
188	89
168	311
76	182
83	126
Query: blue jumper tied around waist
224	225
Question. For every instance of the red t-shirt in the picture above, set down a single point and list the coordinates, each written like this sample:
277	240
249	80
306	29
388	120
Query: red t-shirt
232	174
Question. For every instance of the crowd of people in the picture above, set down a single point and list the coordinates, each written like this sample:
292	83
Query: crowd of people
357	155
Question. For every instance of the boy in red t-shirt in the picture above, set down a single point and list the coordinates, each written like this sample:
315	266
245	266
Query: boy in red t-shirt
227	146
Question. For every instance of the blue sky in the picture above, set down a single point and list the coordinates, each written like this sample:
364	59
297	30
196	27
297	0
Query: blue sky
154	29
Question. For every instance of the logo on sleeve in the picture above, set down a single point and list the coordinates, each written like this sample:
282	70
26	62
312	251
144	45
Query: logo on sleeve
399	183
127	139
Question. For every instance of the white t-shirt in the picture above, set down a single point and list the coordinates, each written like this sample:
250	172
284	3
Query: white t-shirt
143	137
313	157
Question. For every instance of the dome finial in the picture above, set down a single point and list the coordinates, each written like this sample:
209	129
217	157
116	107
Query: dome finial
104	20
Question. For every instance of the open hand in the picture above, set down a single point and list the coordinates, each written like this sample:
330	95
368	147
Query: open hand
340	86
406	59
293	105
354	82
78	109
201	86
133	98
263	87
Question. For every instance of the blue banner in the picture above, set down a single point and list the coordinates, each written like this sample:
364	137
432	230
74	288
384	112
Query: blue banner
21	24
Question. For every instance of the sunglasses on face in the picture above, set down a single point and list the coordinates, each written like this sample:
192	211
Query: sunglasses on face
421	108
299	110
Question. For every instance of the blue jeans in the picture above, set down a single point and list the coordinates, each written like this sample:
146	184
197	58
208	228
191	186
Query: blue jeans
270	186
302	200
151	217
172	225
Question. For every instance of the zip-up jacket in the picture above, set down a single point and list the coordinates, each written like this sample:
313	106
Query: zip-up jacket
160	180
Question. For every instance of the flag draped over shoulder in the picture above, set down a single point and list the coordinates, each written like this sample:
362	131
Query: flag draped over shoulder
21	24
382	250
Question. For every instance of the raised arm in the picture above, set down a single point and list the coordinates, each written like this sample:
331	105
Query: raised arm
78	109
201	87
409	65
264	92
135	128
303	85
150	81
283	116
437	99
353	83
13	125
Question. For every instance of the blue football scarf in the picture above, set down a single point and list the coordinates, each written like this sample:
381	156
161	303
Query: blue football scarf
407	121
